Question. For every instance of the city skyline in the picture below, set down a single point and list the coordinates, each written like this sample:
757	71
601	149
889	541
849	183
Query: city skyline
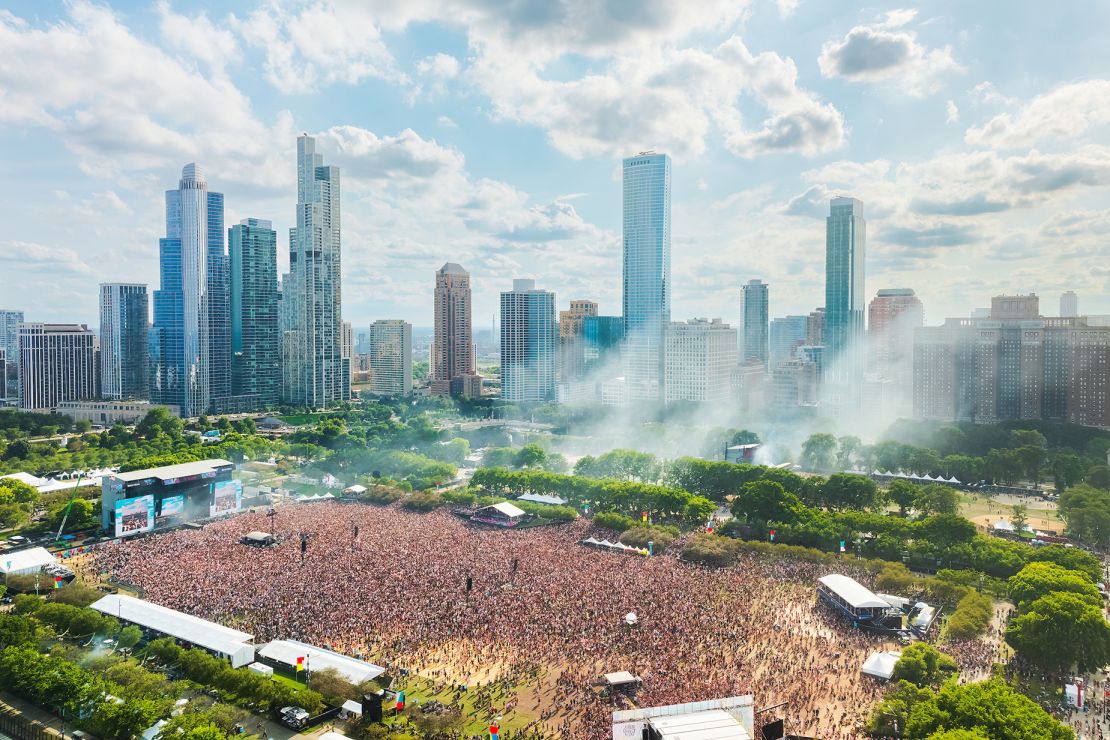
1007	169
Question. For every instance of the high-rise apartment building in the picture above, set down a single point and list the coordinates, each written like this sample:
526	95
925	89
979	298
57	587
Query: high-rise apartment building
315	372
191	339
701	356
1015	364
786	335
1069	304
572	344
892	317
845	246
452	352
124	328
647	273
755	300
815	327
9	342
390	357
255	332
57	363
527	343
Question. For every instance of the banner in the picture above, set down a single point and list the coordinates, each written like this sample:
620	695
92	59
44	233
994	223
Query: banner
134	515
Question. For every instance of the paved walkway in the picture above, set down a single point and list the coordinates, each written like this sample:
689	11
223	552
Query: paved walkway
53	725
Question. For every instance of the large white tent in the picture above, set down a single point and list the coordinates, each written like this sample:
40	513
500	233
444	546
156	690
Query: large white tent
881	665
26	562
286	652
225	642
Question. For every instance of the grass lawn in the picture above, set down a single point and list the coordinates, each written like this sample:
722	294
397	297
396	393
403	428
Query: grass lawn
1040	514
299	420
474	720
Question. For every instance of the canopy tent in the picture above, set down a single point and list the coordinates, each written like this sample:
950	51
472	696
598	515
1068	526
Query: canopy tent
355	489
26	562
504	509
538	498
261	668
881	665
258	539
621	678
852	592
631	619
286	652
224	641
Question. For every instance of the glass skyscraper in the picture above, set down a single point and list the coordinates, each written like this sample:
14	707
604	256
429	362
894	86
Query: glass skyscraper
755	295
255	361
191	342
315	373
124	323
9	348
647	273
528	341
845	239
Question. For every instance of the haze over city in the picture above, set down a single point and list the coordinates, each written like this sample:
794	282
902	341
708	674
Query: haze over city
494	140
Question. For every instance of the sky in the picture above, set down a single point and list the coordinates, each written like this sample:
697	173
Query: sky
491	133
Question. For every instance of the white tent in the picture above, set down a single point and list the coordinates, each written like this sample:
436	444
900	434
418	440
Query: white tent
262	668
25	562
881	665
286	653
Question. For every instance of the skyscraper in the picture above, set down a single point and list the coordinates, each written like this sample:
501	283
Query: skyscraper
9	342
315	374
390	355
452	352
701	357
255	335
845	240
192	328
755	294
527	343
124	324
892	316
572	355
56	364
647	273
1069	304
786	335
602	336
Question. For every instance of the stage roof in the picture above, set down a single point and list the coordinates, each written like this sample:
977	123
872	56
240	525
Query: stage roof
18	561
857	596
714	724
539	498
287	651
505	508
620	677
214	637
182	470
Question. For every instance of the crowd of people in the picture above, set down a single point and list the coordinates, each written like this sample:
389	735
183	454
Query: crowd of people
531	609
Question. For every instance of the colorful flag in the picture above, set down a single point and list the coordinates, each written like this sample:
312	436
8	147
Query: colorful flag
400	701
494	731
643	515
58	580
842	545
772	535
300	663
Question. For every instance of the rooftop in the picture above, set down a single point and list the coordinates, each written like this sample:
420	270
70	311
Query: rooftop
214	637
286	652
857	595
20	560
712	724
182	470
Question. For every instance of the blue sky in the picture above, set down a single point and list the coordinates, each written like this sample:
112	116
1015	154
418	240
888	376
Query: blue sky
490	134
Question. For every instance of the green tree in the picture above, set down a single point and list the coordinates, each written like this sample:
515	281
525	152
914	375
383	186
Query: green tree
129	637
763	500
819	452
1019	517
992	708
938	499
923	665
847	448
530	456
1098	477
1061	630
903	493
845	491
946	530
1086	510
1040	579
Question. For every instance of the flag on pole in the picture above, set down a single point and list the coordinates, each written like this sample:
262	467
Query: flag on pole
58	580
494	731
643	515
772	535
842	545
400	701
300	663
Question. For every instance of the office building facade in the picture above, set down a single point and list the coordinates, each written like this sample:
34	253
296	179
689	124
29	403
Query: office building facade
787	333
701	357
603	337
755	298
528	343
892	317
451	356
57	363
1069	304
9	345
1013	365
255	331
646	272
572	345
315	373
191	341
390	357
124	329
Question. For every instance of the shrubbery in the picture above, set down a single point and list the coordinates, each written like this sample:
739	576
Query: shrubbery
461	498
614	521
971	617
381	495
660	537
423	501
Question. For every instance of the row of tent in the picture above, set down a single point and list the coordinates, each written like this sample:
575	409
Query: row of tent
314	497
915	477
613	546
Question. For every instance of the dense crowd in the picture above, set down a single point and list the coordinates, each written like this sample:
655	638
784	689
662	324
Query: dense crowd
544	614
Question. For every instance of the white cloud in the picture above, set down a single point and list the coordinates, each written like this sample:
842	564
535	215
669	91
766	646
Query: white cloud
786	7
42	258
1061	115
885	51
441	66
446	122
197	37
952	112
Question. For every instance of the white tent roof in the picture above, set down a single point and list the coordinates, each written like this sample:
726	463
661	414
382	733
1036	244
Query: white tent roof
287	651
507	509
857	596
356	488
22	560
881	665
31	480
539	498
620	677
713	724
214	637
334	735
181	470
